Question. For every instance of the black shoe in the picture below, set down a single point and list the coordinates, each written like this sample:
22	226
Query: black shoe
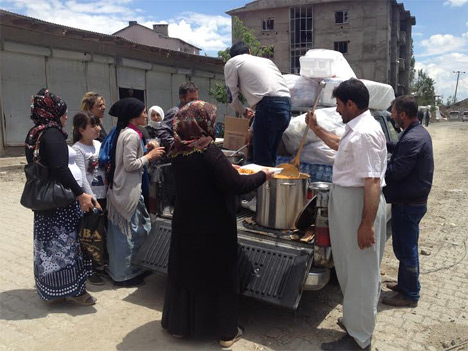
130	283
346	343
95	279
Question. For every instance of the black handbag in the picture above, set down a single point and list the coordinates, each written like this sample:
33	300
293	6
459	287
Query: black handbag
41	192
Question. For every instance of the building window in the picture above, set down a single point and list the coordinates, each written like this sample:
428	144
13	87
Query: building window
301	34
341	46
341	17
268	24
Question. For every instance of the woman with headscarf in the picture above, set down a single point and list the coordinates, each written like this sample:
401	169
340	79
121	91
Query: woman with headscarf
60	271
129	222
202	284
155	117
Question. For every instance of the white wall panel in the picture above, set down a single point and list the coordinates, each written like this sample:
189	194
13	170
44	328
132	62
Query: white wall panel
177	80
158	90
98	79
67	79
133	78
203	88
22	76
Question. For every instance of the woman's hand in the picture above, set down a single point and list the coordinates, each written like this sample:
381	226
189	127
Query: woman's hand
86	202
269	174
155	153
98	205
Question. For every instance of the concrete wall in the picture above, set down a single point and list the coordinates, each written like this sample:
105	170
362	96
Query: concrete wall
279	37
366	34
372	32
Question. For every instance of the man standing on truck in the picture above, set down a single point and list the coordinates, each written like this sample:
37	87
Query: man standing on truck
261	83
409	181
357	217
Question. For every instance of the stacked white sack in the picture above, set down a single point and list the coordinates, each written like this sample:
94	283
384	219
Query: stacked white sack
323	63
303	90
314	150
380	95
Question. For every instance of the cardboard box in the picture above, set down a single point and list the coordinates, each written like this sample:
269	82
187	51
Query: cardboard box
235	132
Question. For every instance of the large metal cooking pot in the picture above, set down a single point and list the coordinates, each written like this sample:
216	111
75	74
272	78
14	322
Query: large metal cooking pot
280	200
237	159
322	191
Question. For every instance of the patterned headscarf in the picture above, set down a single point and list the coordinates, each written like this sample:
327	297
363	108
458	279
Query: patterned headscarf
46	110
194	128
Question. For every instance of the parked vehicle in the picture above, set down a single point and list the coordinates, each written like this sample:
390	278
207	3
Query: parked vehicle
464	117
275	266
454	116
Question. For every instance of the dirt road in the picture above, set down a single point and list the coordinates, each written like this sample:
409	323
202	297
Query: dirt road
129	319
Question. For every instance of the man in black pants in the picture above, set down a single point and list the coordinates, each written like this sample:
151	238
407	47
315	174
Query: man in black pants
409	179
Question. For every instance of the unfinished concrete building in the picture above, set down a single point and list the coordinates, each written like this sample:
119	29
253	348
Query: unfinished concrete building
373	35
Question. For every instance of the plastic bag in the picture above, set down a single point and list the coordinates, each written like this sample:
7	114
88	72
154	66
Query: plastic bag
93	234
303	90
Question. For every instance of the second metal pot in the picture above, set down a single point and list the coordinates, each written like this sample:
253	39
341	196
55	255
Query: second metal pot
237	159
280	200
322	191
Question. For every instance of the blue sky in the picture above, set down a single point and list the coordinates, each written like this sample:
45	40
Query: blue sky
440	36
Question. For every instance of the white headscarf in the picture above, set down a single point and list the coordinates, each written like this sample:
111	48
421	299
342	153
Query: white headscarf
158	110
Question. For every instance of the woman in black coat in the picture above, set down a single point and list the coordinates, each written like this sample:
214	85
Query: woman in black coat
60	270
202	285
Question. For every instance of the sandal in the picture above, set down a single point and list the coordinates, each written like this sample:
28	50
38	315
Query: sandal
229	343
84	299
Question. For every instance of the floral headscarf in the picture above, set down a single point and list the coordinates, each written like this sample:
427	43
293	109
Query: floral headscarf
46	111
194	128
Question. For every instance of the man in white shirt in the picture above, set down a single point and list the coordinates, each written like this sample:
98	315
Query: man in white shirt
261	83
356	212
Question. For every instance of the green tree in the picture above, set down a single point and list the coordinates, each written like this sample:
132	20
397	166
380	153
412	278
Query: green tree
239	32
423	88
449	101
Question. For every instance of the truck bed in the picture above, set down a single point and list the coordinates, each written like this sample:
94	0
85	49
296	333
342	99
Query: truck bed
272	267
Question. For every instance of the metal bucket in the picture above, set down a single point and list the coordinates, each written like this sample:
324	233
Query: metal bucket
279	201
322	191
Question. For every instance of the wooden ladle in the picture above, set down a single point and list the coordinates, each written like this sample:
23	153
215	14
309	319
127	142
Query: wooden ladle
292	169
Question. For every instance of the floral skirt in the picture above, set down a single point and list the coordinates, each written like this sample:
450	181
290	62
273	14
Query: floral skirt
59	267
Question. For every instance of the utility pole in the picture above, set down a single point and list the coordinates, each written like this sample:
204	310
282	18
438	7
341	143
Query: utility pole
456	86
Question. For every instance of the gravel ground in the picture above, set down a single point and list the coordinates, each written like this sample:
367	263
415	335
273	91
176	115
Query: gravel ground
129	318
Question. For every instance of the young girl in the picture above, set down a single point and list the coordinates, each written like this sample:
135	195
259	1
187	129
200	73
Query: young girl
86	129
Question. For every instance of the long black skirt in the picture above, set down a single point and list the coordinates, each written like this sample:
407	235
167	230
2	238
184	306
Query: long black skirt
199	315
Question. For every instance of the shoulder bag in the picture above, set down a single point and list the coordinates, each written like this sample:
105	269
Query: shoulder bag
41	192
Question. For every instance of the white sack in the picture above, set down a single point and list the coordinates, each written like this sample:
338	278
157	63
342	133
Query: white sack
380	95
327	118
323	63
303	90
326	98
318	153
